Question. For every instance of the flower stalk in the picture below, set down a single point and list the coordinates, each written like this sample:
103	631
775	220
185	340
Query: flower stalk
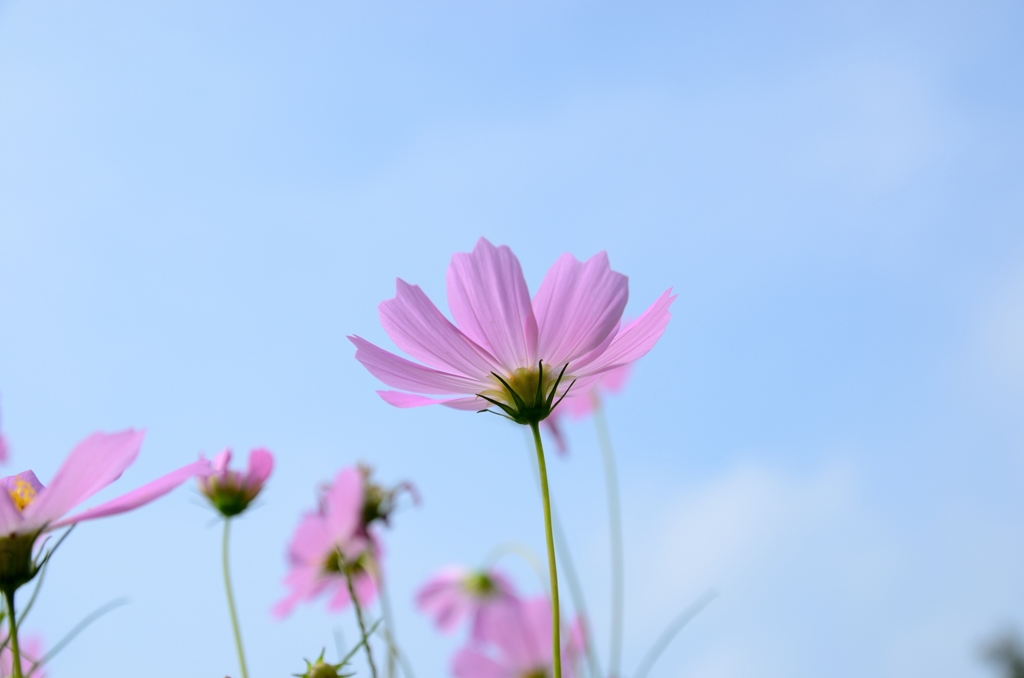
231	600
359	618
556	623
615	535
12	623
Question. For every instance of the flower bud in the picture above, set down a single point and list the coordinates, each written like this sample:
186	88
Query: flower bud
231	492
321	669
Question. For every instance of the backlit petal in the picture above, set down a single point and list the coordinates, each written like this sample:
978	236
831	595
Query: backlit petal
404	374
141	496
577	306
488	298
95	462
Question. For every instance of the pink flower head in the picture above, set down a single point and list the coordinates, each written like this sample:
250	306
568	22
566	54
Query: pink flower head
505	349
579	404
231	492
455	593
518	645
329	546
31	652
27	508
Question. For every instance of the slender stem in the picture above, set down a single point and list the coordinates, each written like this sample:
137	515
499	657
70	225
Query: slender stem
359	618
576	591
231	599
615	535
12	624
556	616
389	630
669	633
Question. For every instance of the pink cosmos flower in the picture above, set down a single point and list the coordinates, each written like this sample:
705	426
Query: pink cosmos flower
31	648
579	404
505	349
231	492
28	508
455	593
331	544
518	645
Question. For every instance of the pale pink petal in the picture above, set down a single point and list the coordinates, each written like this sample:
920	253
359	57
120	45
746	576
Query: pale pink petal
471	404
311	541
4	450
304	583
344	503
95	462
11	520
554	427
221	461
536	619
406	400
471	663
488	298
507	629
418	328
404	374
140	496
366	588
341	597
261	464
577	306
632	341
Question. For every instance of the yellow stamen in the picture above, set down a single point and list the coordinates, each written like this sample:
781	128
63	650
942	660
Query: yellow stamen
22	494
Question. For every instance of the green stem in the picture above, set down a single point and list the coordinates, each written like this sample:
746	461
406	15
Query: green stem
12	624
231	599
359	618
394	654
615	535
556	616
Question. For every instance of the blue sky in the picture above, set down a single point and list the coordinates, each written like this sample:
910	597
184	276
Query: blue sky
199	201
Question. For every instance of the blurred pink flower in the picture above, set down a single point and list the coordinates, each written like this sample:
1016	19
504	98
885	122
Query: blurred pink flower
330	542
455	593
231	492
27	507
579	404
31	651
518	645
507	350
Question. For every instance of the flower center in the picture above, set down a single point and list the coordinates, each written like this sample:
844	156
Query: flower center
22	494
528	395
479	585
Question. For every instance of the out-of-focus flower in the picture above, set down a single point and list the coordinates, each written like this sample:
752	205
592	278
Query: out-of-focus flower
379	502
455	593
518	645
579	404
31	648
231	492
330	545
508	351
27	508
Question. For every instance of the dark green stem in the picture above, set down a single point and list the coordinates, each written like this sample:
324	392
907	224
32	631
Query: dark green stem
556	616
615	535
12	624
231	600
359	618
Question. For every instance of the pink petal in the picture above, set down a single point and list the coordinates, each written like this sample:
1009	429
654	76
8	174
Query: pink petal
4	452
406	400
261	464
344	502
221	461
11	520
140	496
471	663
95	462
472	404
404	374
507	629
577	306
632	341
418	328
488	298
